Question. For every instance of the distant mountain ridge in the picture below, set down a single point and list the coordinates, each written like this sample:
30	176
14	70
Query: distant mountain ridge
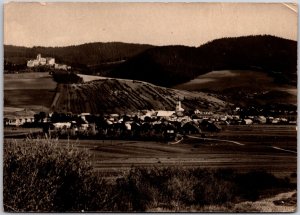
171	65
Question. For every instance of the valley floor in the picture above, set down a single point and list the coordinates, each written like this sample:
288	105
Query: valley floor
271	148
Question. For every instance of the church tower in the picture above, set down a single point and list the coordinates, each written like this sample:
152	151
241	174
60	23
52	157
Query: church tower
178	106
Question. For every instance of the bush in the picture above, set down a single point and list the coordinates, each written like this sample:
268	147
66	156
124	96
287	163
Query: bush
143	189
65	77
146	188
253	184
41	176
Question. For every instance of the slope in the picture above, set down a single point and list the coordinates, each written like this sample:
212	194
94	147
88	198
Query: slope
125	96
244	88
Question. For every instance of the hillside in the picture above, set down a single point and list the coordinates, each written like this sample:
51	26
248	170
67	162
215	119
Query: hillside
263	70
85	56
243	87
125	96
171	65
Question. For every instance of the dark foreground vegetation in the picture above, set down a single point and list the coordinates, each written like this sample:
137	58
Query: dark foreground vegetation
43	176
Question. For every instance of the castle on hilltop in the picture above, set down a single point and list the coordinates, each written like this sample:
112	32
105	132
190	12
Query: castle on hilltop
48	61
40	61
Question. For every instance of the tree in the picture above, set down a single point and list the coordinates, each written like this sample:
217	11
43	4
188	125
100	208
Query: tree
43	115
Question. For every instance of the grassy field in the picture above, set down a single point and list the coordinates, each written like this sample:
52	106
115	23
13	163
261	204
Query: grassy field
87	78
232	81
220	80
31	90
11	132
255	152
33	80
268	147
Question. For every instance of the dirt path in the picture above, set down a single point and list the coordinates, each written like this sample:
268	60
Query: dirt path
238	143
283	149
221	140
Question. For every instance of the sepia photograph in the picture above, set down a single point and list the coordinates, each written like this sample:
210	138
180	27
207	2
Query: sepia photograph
150	107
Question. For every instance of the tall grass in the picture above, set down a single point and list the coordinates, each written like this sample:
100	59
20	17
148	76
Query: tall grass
44	176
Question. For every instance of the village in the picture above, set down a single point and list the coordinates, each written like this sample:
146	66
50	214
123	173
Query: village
143	124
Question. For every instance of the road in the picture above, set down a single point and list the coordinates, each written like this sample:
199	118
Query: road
214	139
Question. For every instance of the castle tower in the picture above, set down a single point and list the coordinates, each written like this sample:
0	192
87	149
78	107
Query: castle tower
38	57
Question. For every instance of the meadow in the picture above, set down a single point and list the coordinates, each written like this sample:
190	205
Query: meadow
228	82
31	90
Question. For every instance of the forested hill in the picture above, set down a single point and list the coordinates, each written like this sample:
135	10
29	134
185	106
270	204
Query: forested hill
170	65
84	55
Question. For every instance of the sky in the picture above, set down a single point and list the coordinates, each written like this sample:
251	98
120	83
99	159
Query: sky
192	24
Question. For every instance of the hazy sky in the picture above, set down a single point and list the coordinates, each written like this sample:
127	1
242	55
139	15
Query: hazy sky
62	24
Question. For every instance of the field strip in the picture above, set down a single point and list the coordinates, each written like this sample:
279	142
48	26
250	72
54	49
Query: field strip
55	99
274	147
228	141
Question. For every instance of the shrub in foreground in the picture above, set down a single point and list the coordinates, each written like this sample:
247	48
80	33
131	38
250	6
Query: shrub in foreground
143	189
39	175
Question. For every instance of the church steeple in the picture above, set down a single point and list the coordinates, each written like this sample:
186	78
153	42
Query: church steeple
178	106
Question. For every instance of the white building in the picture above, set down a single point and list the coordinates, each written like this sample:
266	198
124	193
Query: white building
164	113
40	61
50	61
18	120
61	125
248	121
32	63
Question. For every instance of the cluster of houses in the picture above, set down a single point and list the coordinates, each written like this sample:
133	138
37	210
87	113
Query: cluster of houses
18	121
166	125
18	118
146	123
48	61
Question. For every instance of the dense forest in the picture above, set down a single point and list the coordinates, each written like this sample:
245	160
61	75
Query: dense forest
170	65
85	55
